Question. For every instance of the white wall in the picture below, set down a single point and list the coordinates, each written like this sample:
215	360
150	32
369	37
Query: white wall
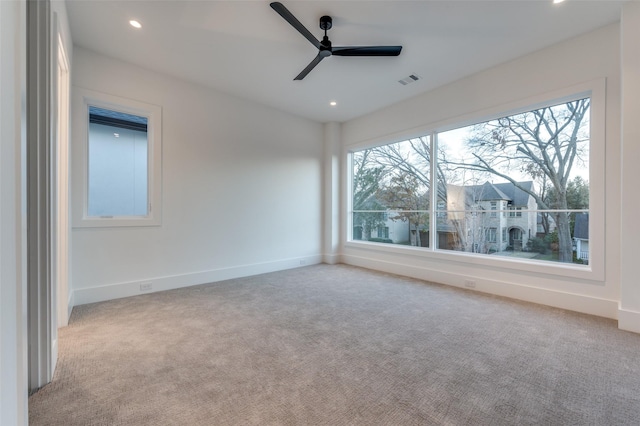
241	189
331	190
13	302
590	57
629	316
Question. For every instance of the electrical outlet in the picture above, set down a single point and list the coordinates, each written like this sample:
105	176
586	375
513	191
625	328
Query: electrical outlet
303	262
469	283
146	286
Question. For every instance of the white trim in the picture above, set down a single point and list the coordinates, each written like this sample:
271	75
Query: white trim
331	259
132	288
61	189
42	304
559	299
70	304
153	113
571	270
629	320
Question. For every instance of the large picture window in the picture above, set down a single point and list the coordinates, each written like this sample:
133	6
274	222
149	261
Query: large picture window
516	186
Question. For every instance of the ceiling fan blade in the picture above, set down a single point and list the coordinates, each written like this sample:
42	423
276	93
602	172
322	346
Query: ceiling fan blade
309	67
293	21
366	50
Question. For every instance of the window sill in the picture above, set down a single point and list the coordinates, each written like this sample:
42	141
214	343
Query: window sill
584	273
114	222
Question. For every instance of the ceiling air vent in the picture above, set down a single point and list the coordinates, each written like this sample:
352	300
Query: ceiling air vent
410	79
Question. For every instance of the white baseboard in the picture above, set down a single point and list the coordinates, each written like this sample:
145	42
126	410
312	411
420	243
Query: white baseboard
629	320
54	356
82	296
331	259
70	305
543	296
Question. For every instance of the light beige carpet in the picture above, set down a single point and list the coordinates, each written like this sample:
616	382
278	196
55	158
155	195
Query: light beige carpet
338	345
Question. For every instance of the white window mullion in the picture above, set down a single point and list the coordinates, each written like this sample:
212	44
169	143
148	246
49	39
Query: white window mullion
433	221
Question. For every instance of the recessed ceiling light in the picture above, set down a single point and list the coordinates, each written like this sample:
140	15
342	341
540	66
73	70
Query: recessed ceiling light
135	24
557	1
333	103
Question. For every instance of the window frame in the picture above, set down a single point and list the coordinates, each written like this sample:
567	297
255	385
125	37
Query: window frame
515	211
595	270
85	98
492	236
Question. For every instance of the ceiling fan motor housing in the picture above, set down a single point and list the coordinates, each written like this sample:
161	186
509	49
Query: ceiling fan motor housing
326	23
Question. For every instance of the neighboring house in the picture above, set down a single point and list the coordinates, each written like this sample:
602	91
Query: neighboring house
488	218
484	218
581	236
395	230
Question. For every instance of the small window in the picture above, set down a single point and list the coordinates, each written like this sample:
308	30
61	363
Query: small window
121	162
515	212
357	232
383	232
118	164
491	235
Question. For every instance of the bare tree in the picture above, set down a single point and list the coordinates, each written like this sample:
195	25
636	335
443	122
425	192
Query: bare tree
548	142
366	179
413	158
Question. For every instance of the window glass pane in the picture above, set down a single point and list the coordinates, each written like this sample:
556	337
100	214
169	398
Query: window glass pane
391	193
117	164
533	165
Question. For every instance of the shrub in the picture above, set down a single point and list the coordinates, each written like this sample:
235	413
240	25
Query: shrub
538	245
552	238
380	240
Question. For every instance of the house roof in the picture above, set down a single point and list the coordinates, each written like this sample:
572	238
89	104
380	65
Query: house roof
490	192
500	191
517	195
581	227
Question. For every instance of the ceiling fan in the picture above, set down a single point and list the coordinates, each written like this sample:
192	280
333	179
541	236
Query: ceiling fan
324	47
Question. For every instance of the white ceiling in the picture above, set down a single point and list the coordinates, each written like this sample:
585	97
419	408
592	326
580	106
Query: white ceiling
245	49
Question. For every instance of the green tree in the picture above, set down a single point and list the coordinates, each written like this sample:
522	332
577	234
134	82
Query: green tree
577	196
407	196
